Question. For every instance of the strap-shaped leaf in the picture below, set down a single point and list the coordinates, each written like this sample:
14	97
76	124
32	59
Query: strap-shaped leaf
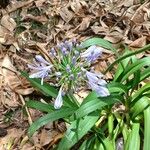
140	106
145	74
62	113
147	47
40	106
147	129
93	105
133	142
98	41
123	64
46	89
135	67
116	87
77	130
141	91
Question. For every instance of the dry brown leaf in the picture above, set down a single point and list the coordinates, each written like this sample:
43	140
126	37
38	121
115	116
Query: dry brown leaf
9	73
39	3
140	42
114	37
5	36
85	23
8	23
17	5
66	14
47	136
81	95
41	19
10	139
76	6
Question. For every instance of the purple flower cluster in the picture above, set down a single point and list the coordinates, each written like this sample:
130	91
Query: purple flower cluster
70	67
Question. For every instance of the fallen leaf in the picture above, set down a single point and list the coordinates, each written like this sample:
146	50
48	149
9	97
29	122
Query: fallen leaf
8	23
85	23
66	14
138	43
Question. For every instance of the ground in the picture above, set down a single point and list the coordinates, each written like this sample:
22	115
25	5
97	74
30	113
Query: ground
29	27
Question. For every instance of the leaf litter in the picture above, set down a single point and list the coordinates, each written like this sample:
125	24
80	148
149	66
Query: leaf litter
28	28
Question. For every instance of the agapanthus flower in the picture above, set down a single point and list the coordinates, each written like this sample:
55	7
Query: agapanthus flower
97	84
69	70
92	53
59	100
95	78
99	89
41	68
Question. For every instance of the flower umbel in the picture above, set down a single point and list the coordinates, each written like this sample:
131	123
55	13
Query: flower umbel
69	70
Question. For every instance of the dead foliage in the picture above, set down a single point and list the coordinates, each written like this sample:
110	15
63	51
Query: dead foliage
29	27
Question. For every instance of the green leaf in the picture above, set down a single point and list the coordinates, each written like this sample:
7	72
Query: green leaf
93	105
141	91
40	106
77	130
122	65
46	89
107	145
90	97
116	87
62	113
147	47
97	41
147	129
140	106
110	124
134	67
133	142
145	74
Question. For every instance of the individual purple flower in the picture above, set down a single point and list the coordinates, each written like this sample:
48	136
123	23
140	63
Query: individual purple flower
95	78
64	50
92	53
74	60
69	45
68	69
97	84
52	52
100	90
41	68
60	45
59	100
71	77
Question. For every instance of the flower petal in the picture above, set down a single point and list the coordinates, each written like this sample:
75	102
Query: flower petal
92	53
41	59
39	74
102	91
59	101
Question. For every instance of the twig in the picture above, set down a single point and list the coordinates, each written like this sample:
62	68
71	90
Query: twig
28	113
